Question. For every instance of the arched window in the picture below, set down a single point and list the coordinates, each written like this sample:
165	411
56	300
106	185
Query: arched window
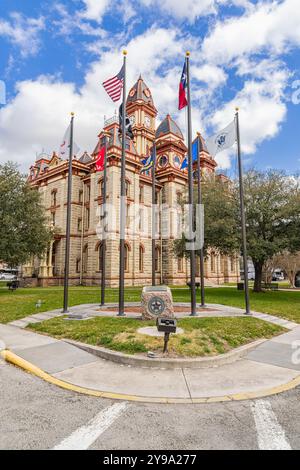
127	188
157	259
141	258
180	264
85	258
99	249
232	264
212	262
126	257
78	261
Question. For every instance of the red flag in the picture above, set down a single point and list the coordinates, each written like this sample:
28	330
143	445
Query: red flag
182	99
100	159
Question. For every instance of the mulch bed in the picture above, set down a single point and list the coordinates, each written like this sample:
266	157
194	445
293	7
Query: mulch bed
138	309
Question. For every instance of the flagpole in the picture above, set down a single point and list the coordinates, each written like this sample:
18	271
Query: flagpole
122	198
243	218
68	225
153	213
103	250
190	184
201	254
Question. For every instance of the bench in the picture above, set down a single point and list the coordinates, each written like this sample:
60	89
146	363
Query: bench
270	285
197	284
13	285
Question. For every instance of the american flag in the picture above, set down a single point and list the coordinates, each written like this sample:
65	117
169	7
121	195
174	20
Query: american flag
113	86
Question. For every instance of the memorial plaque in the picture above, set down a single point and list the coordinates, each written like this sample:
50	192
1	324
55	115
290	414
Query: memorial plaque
157	302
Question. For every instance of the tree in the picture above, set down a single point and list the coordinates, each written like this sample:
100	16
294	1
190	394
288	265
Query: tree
290	264
220	218
272	204
23	229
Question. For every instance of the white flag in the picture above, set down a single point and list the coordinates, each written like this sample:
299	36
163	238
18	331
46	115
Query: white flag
222	140
65	145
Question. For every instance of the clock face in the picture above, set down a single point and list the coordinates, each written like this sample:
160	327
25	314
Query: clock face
132	119
176	161
147	93
163	161
147	121
132	92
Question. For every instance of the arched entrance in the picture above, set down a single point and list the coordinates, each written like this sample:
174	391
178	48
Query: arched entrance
297	279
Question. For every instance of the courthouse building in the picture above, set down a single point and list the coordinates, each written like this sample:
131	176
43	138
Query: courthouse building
50	177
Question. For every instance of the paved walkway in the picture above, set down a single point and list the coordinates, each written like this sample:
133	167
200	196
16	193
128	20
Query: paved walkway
272	367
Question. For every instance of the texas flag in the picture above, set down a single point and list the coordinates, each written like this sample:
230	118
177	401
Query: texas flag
100	161
182	101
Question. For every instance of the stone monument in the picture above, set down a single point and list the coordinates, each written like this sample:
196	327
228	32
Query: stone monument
157	302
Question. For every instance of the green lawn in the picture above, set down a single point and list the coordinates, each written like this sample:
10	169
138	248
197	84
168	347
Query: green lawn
18	304
201	337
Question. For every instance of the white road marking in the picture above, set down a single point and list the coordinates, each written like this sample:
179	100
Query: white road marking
83	438
270	434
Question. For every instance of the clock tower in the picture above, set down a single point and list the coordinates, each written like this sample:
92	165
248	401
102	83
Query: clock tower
142	114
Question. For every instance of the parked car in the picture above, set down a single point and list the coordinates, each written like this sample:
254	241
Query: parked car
7	277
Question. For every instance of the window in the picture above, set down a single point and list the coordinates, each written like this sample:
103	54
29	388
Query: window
87	218
127	215
53	218
80	196
141	258
54	197
100	253
127	188
78	261
180	265
232	264
157	259
87	192
141	220
163	161
101	188
126	258
212	262
79	225
85	258
179	197
141	197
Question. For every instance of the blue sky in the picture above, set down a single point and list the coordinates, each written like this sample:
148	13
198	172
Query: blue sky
55	54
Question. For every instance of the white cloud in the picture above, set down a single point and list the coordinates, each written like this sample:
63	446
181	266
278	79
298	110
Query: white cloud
23	32
37	117
261	111
270	26
95	9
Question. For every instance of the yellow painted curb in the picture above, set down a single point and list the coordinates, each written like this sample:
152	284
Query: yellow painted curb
11	357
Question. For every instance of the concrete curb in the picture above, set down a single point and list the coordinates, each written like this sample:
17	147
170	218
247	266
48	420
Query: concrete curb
31	368
162	363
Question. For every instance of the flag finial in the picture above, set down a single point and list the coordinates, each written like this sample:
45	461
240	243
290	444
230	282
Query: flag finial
237	108
187	53
72	114
124	52
198	134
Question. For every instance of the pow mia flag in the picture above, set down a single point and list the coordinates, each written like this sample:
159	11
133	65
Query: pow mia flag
128	128
222	140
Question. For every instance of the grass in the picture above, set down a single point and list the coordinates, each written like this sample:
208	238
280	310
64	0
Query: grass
201	337
18	304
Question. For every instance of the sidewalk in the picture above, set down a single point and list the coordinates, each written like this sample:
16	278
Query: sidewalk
267	370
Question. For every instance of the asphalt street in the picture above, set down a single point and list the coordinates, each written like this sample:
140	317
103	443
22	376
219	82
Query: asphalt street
37	415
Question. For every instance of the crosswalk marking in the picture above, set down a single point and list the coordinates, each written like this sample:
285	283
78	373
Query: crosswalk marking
84	437
270	434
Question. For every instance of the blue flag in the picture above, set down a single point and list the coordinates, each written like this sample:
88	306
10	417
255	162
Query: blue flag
195	151
147	163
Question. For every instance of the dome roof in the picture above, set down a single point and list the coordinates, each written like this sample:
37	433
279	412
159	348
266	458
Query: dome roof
140	92
167	126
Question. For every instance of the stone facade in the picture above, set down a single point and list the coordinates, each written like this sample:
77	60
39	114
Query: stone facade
50	177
